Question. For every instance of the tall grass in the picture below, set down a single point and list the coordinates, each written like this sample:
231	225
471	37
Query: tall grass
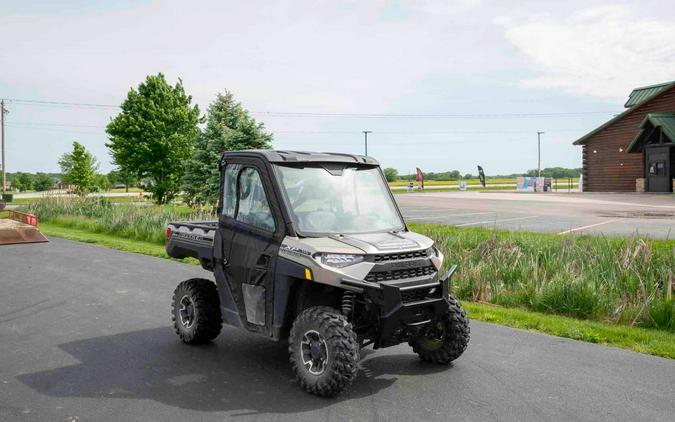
625	281
100	215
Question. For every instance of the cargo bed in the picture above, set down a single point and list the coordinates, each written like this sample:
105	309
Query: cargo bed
192	239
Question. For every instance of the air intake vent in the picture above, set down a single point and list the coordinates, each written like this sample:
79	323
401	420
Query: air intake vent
403	255
400	274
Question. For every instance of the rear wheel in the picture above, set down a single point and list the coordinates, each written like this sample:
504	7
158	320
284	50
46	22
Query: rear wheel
324	352
446	339
196	311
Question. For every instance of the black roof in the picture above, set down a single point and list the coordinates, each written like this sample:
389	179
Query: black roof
302	156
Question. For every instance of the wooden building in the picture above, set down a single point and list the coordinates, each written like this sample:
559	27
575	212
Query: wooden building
635	148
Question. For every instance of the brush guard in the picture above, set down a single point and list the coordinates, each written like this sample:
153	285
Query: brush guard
406	310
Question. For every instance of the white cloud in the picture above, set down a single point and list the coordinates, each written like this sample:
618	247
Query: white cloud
601	51
318	55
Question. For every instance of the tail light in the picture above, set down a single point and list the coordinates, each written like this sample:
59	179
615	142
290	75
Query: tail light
168	232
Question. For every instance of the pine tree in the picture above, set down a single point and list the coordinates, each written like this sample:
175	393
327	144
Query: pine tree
228	128
79	169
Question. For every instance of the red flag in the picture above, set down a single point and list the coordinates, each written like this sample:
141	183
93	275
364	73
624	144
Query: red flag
420	177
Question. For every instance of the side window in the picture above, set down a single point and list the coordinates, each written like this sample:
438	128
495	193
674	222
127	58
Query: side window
230	189
253	206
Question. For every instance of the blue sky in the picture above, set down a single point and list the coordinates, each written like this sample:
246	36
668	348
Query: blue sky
468	57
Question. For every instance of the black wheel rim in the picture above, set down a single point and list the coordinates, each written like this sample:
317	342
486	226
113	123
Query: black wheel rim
314	352
434	336
186	312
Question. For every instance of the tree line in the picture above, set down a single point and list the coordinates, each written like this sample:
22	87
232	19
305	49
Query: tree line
161	141
556	172
41	182
156	141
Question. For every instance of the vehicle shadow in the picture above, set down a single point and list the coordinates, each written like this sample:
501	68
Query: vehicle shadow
239	372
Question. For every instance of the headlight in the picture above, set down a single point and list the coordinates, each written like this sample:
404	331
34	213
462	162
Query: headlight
339	260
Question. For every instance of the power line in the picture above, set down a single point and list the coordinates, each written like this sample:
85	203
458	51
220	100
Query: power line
27	102
429	116
52	124
18	101
51	129
406	132
41	125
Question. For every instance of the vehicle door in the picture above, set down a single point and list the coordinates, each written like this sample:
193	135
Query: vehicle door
251	231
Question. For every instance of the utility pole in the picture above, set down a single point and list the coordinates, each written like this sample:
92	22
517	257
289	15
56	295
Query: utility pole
365	133
2	133
539	153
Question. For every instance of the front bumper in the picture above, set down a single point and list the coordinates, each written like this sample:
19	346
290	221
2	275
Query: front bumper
406	308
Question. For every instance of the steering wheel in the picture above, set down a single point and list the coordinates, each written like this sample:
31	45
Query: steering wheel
320	220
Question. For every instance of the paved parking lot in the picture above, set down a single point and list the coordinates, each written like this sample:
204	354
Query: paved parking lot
651	215
85	335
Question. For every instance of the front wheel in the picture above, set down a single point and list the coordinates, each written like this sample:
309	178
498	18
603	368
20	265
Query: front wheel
446	339
324	352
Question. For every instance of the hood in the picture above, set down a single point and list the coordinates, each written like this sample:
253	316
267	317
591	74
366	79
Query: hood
372	243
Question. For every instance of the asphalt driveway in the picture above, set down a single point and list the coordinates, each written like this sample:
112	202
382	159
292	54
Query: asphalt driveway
85	335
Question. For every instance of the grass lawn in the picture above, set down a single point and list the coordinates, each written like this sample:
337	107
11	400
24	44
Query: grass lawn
455	182
644	340
122	190
471	188
110	241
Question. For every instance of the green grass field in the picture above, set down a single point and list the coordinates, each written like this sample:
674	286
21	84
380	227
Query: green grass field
454	182
523	279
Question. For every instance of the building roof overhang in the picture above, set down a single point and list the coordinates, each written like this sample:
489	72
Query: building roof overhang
632	109
665	122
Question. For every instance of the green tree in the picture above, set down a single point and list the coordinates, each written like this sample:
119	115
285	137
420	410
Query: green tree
391	174
102	183
79	168
556	172
228	128
23	181
43	182
155	134
122	177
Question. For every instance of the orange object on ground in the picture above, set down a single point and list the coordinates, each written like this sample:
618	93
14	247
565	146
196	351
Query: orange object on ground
20	228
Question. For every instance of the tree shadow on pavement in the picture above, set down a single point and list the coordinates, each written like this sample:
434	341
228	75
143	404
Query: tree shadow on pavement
239	372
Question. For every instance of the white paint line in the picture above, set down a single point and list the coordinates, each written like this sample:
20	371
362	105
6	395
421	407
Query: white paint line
496	221
434	217
602	223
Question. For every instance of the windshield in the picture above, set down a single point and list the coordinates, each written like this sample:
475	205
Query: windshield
340	201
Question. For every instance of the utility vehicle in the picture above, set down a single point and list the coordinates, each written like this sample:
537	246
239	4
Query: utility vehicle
312	248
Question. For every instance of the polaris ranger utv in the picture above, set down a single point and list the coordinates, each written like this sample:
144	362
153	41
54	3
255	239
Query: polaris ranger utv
312	248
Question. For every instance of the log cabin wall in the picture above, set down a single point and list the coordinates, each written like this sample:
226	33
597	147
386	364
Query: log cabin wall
607	167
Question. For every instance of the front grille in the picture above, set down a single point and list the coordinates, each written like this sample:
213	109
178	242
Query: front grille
403	255
417	295
400	274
